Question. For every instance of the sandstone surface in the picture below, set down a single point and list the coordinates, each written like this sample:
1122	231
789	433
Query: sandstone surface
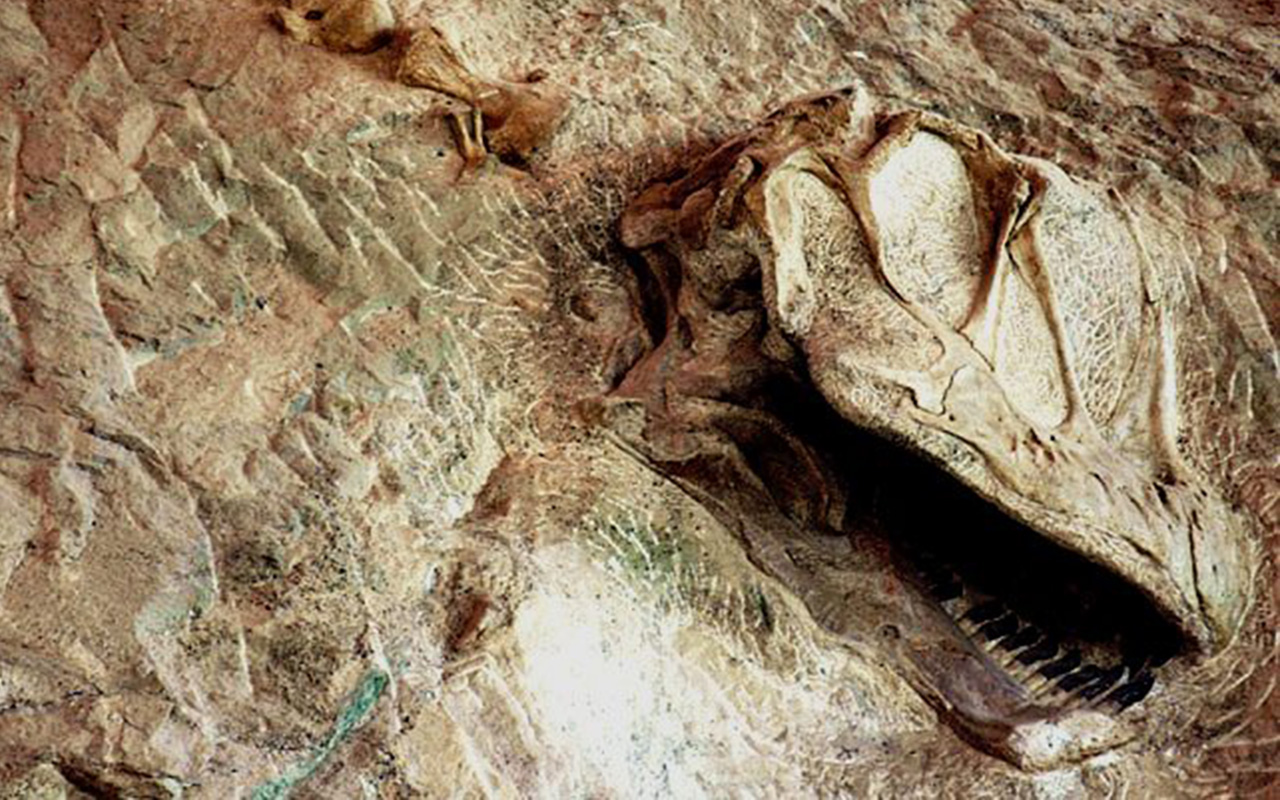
366	439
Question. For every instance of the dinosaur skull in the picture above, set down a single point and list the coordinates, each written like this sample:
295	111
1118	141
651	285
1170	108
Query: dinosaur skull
1015	326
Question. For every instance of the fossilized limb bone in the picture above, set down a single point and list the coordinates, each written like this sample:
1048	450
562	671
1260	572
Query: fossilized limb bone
512	119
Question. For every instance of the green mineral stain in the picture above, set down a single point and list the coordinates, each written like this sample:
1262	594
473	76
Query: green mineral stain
367	693
407	361
205	596
655	559
362	130
652	557
299	404
763	610
395	119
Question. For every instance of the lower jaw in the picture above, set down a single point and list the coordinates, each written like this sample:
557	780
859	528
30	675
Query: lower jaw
926	578
1013	710
1027	650
938	554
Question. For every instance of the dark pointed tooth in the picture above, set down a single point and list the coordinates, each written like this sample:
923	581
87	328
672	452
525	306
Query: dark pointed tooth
1062	666
1029	635
1000	628
1044	651
985	612
1132	692
1081	677
1104	682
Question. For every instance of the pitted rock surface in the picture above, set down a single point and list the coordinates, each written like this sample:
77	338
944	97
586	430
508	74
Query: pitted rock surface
335	462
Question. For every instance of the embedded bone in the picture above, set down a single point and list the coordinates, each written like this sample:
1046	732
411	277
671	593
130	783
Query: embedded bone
354	26
1001	318
989	312
324	473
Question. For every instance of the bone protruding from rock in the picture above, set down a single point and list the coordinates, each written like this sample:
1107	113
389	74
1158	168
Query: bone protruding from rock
344	26
518	117
985	308
513	119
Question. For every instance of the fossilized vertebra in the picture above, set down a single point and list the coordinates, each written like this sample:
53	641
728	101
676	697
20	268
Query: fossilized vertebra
511	119
990	312
342	25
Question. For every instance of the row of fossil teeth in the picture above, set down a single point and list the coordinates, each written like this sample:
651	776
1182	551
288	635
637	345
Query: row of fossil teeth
1037	660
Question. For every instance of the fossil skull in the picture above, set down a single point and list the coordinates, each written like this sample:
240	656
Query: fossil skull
1017	327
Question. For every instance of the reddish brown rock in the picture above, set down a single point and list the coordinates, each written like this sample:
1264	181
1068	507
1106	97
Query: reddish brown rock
326	473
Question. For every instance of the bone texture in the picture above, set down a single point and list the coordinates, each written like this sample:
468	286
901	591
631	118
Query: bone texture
341	457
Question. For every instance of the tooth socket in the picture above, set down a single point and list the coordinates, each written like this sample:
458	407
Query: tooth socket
999	628
1043	651
1081	677
1029	635
1104	682
1131	692
1062	666
985	612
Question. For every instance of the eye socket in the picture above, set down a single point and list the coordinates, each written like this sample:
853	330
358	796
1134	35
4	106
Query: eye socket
314	15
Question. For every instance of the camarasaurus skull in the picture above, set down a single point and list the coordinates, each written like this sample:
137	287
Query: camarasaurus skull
1023	330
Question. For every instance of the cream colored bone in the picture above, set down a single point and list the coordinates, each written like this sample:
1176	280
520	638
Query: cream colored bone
344	26
995	313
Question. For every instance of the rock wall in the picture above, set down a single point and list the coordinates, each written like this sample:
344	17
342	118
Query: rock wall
315	478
